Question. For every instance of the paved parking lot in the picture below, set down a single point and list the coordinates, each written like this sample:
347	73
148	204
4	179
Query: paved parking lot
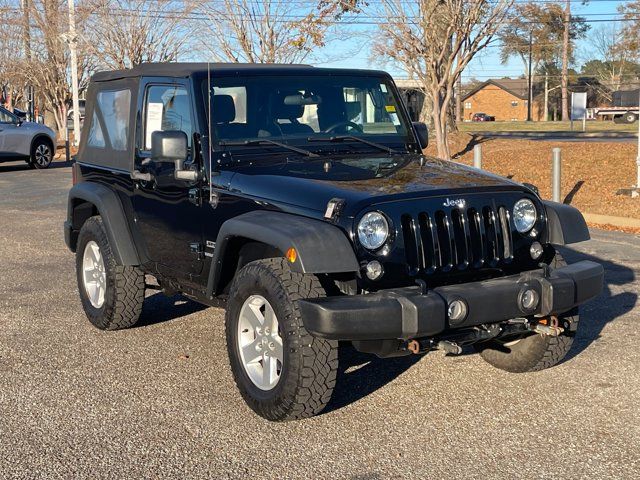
158	401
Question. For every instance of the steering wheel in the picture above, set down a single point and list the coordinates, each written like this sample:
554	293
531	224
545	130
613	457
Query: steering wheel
335	126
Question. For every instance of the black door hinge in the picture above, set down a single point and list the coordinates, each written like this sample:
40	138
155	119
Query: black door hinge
198	249
195	196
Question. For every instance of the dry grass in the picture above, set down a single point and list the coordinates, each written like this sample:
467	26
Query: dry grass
591	172
592	126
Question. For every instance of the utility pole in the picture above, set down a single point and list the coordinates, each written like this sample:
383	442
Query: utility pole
26	19
638	157
546	95
73	42
565	61
529	89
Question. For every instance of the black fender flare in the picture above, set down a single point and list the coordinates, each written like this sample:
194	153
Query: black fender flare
565	224
110	209
321	247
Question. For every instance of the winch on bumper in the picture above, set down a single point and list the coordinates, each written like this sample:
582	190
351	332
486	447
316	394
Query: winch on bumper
410	312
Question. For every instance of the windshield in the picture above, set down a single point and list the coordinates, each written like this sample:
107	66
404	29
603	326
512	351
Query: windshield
305	109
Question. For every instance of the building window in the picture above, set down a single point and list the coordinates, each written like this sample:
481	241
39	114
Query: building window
514	103
467	105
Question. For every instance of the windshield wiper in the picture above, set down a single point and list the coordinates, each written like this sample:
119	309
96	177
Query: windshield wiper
342	138
264	141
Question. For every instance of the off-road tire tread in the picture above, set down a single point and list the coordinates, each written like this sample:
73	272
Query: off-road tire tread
123	308
318	358
535	352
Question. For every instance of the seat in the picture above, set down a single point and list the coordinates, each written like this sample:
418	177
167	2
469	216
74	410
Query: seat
291	113
224	113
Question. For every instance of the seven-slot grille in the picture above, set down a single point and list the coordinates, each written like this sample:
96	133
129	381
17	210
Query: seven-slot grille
458	238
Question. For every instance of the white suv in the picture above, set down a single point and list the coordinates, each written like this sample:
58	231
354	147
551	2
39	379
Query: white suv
29	141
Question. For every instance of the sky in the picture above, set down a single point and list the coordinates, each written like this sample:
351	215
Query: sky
486	64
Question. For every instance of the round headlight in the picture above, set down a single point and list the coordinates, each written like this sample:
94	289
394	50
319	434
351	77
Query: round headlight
373	230
524	215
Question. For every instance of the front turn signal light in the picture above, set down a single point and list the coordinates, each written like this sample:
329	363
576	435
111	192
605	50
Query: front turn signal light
292	255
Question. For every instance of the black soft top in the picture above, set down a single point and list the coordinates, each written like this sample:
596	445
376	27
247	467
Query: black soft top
189	69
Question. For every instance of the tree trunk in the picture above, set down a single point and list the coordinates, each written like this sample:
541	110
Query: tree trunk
439	115
565	62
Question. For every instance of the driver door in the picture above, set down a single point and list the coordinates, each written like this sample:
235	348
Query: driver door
167	217
8	123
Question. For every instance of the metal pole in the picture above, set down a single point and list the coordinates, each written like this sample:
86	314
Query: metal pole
73	42
477	156
638	157
529	92
556	173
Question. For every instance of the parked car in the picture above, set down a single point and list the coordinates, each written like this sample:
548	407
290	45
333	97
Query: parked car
300	196
482	117
28	141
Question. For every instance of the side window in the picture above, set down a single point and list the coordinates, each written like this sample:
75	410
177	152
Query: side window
374	109
167	107
113	108
5	117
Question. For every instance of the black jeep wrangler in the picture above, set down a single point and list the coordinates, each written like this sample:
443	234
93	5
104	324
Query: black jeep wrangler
301	196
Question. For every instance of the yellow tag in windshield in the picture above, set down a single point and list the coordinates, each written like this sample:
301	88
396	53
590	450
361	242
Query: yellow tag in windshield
390	108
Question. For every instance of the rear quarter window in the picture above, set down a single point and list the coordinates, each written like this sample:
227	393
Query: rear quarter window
110	117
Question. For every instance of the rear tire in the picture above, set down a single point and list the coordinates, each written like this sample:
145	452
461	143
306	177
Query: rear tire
533	352
630	117
306	369
112	294
41	154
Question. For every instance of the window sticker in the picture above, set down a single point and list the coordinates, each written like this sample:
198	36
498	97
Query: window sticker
394	119
390	108
154	120
383	87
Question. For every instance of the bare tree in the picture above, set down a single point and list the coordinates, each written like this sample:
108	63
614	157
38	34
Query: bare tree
613	65
12	53
433	41
48	68
125	33
268	31
630	33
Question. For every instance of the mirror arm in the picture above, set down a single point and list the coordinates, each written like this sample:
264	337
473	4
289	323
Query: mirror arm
181	174
138	175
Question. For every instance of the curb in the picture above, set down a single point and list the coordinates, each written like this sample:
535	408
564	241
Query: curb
609	220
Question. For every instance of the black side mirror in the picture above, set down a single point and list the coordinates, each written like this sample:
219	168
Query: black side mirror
171	146
422	134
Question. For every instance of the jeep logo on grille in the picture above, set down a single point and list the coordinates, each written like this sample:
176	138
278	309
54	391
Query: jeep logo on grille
456	202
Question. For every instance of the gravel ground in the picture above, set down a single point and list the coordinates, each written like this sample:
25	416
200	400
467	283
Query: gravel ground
158	401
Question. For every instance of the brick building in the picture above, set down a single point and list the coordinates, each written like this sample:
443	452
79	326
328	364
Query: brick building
505	99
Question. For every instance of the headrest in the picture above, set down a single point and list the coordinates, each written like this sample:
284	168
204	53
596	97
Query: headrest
224	109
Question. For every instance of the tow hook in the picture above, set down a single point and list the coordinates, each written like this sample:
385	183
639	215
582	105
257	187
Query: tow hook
553	330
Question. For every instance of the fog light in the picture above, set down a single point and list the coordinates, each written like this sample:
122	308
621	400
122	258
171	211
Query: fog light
536	250
529	300
457	311
374	270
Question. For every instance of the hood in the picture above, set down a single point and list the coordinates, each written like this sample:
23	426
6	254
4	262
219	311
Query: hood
310	184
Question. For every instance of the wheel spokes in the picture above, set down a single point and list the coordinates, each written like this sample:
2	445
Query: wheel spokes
251	352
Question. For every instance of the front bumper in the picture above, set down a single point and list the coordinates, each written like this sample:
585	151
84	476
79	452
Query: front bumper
408	313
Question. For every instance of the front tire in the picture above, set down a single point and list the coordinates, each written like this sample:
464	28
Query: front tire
112	294
41	154
296	377
533	352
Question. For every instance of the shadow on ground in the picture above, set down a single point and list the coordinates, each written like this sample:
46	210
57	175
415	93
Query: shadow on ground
361	374
159	308
17	166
